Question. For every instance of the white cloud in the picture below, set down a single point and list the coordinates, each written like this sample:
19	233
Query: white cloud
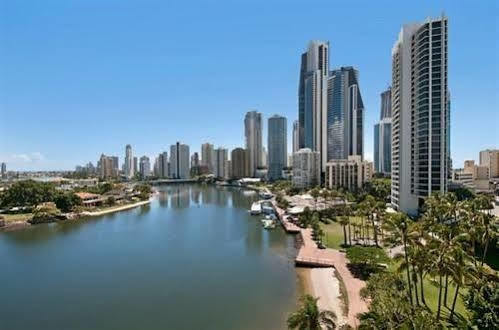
368	156
29	158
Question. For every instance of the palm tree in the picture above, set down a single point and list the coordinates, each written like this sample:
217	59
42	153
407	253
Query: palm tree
458	275
397	225
344	222
309	316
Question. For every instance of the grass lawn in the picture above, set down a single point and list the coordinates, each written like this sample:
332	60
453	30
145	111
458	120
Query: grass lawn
431	296
334	237
17	217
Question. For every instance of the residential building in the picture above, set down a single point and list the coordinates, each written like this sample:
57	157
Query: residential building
195	160
265	160
296	135
312	99
350	173
208	156
345	114
228	170
145	167
306	168
135	165
179	161
221	156
277	146
4	170
253	139
106	167
421	114
116	163
240	163
383	136
463	178
128	166
490	159
163	165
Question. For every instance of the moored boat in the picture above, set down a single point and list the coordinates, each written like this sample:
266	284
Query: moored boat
256	208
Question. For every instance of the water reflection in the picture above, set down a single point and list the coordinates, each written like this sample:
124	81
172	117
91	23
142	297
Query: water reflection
219	240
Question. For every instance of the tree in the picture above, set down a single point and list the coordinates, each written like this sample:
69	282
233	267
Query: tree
28	193
315	193
144	191
390	308
310	317
397	225
67	201
344	222
365	260
110	201
482	301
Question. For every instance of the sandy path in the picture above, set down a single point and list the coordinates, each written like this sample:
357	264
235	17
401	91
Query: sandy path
326	287
116	209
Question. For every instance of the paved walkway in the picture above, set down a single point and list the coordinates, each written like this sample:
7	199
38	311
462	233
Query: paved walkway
309	254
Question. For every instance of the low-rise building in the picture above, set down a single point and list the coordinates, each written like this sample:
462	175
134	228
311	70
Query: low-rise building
306	168
463	178
349	173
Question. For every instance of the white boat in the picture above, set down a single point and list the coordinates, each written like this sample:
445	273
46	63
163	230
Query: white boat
268	224
256	208
266	195
267	208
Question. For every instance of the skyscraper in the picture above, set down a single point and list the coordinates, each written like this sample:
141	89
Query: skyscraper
4	170
421	114
144	167
383	136
128	161
296	135
220	159
195	160
163	165
277	146
306	168
253	137
240	163
345	115
179	161
116	163
106	167
312	99
490	159
207	156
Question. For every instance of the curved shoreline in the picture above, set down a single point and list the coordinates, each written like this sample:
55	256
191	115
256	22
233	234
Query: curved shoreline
115	209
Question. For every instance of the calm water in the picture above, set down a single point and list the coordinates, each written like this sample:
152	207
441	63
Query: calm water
192	259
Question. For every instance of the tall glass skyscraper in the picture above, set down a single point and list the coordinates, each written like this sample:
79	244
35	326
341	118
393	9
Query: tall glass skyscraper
421	114
383	136
345	115
312	99
277	146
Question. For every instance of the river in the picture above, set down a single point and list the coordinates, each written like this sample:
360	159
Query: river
192	259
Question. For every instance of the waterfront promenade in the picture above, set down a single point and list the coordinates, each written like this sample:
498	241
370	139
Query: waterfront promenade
310	255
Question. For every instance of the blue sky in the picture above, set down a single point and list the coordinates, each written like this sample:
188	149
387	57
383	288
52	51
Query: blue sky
80	78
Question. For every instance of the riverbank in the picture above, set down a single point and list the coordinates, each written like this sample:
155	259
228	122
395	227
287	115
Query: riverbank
24	223
310	255
115	209
322	283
